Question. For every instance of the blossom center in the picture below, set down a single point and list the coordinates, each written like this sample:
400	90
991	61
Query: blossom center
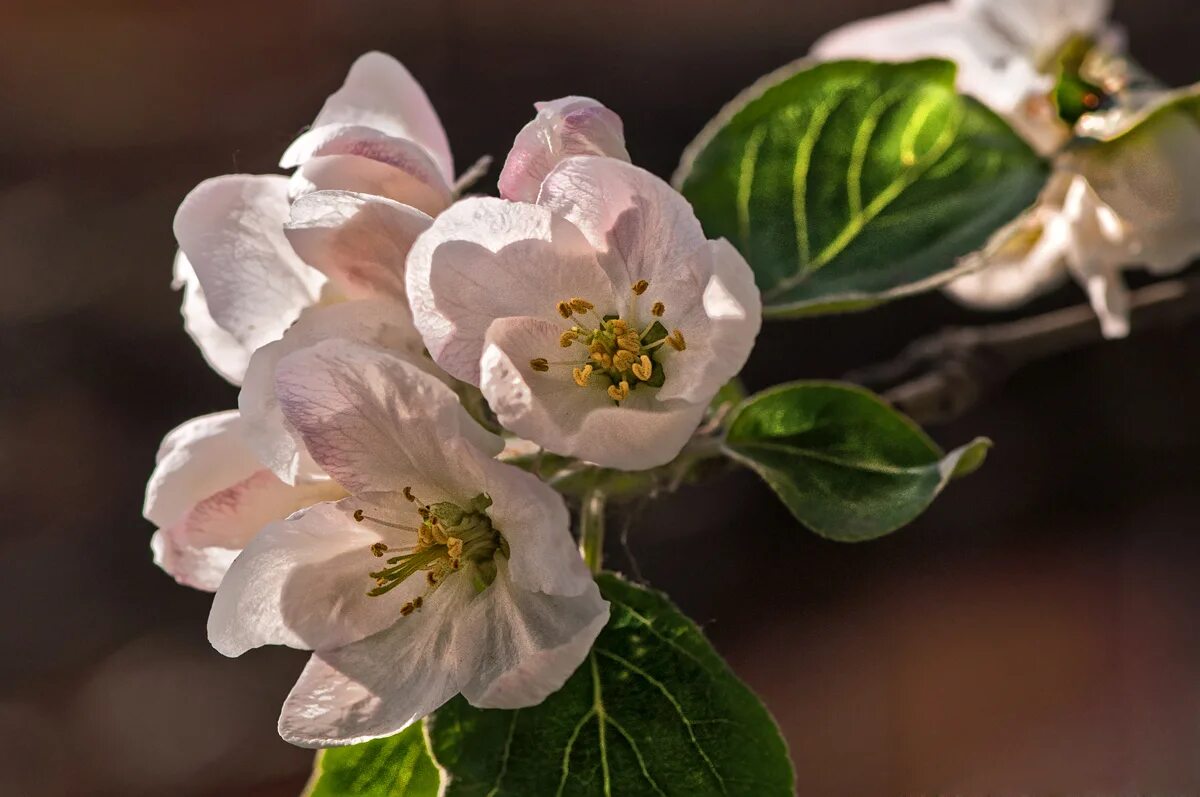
616	354
450	537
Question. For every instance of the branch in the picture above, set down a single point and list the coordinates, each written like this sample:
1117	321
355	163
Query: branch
938	378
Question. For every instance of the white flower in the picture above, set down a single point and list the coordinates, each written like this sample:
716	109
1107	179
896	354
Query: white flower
598	322
209	495
1002	48
562	128
1133	199
446	571
376	155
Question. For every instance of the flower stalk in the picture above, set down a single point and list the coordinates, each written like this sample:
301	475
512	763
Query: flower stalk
591	529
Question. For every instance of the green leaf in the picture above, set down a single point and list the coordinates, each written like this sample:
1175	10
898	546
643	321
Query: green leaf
653	710
398	766
850	183
846	464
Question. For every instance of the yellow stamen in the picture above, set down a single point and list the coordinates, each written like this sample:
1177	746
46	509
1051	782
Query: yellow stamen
644	369
379	548
454	547
630	342
567	338
564	309
676	340
658	309
640	287
540	364
619	326
623	359
580	305
581	375
619	392
604	358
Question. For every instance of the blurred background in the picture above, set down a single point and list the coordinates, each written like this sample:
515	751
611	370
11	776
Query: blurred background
1035	632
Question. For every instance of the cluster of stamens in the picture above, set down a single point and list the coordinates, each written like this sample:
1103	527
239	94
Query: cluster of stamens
449	537
619	356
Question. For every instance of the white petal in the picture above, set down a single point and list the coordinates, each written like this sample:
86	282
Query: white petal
359	241
991	67
198	458
380	93
562	128
366	176
230	229
551	410
375	421
720	329
1040	27
487	258
379	322
303	583
533	518
220	350
1110	300
198	548
1027	266
379	686
641	227
529	643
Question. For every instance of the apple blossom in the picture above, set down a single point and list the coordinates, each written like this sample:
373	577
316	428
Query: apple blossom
1132	199
562	128
445	572
598	322
209	495
376	155
1006	50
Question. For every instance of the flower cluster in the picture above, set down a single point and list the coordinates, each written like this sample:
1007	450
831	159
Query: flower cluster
1105	210
351	505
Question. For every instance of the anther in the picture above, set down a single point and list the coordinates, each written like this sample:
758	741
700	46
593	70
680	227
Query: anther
358	515
407	609
644	369
564	309
603	358
454	547
630	342
580	305
567	338
540	364
581	375
379	548
619	392
676	340
657	309
408	494
417	601
623	359
640	287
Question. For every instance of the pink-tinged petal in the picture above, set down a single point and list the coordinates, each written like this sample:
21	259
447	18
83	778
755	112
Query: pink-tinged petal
487	258
533	518
222	351
198	548
640	226
198	458
380	93
720	328
383	323
359	241
381	685
230	229
562	128
528	643
303	582
366	176
376	422
551	410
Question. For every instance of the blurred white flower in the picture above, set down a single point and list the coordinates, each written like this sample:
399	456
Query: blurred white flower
562	128
1005	51
375	158
598	322
446	572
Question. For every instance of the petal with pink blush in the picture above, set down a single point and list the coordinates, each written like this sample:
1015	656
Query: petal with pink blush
222	351
380	93
562	128
359	241
367	176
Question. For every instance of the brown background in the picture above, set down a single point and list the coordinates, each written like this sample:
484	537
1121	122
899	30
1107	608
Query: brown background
1034	633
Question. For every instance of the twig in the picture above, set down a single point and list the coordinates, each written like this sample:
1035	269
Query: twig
938	378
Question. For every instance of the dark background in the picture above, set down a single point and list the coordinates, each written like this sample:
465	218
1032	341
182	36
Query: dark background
1035	632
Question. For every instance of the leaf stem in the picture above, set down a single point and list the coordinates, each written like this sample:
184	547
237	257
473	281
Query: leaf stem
591	529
